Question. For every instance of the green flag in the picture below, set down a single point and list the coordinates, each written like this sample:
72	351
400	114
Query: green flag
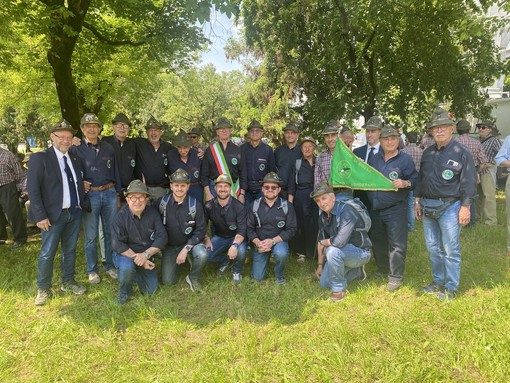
348	171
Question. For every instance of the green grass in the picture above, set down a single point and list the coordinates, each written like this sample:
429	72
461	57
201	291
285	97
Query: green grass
260	332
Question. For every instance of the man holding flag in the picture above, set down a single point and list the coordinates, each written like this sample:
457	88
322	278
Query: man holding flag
224	157
389	208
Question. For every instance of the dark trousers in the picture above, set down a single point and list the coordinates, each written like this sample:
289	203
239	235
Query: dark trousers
10	206
307	215
389	239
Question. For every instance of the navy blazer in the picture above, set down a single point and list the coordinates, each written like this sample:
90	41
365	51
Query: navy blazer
361	152
44	185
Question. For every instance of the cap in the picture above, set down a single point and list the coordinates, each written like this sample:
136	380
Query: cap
308	139
121	117
440	117
292	125
196	130
373	123
320	189
272	177
333	126
179	176
89	118
388	131
153	124
463	125
223	123
136	186
63	125
486	123
223	178
255	124
182	139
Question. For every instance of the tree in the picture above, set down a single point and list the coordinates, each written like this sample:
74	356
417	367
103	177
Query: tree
399	58
84	40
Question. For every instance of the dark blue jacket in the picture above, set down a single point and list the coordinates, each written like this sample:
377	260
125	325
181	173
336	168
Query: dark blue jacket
45	185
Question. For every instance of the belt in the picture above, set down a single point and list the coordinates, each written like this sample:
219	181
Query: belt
104	187
444	199
195	183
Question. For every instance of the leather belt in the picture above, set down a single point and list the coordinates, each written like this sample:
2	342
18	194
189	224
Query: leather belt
104	187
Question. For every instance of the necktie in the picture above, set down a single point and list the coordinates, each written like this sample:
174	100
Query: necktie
370	155
72	185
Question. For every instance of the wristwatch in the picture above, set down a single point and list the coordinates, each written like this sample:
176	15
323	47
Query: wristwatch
236	245
273	241
188	248
147	255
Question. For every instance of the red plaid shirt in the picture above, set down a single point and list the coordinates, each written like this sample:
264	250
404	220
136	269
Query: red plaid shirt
475	148
415	152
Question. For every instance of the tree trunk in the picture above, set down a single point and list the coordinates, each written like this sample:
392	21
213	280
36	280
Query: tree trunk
60	53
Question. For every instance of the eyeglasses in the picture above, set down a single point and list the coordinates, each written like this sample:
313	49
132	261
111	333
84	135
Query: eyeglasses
63	138
440	127
484	127
270	187
256	131
123	126
136	199
193	137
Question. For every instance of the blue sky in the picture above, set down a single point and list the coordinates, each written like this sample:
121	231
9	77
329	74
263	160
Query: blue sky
218	31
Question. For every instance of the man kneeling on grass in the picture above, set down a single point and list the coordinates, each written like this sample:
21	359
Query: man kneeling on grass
137	235
345	247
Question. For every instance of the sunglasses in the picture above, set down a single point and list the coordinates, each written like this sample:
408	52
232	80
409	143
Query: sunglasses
484	127
270	187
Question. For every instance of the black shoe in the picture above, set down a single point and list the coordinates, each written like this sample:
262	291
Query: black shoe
17	244
2	241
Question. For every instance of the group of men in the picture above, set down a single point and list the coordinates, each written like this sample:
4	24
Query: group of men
121	189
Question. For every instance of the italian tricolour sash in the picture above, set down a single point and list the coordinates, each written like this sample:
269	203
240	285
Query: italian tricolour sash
221	165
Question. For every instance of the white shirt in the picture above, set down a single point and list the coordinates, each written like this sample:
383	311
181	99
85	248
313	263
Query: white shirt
66	201
376	150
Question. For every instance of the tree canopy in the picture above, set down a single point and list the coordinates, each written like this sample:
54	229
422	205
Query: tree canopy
102	54
400	58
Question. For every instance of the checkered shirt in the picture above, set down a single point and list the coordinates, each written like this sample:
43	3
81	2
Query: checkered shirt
10	168
322	167
415	152
475	148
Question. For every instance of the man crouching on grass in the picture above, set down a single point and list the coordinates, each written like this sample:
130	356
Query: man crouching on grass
345	247
137	235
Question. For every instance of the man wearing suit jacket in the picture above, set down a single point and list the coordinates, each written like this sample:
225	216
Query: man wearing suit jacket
369	150
55	188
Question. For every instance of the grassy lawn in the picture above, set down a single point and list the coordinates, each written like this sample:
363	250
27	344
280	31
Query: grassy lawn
260	332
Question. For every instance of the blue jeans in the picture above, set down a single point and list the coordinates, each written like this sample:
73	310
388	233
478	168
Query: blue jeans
442	241
219	253
280	252
170	269
64	230
104	207
129	273
411	219
342	265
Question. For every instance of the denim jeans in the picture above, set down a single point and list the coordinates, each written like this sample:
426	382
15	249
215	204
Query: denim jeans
64	230
342	265
129	273
170	269
103	206
219	253
442	241
411	219
280	252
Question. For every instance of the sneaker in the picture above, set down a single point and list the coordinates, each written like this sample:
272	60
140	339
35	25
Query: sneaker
431	289
446	295
73	287
237	278
94	278
42	297
394	285
194	285
281	281
222	270
301	258
337	297
112	273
